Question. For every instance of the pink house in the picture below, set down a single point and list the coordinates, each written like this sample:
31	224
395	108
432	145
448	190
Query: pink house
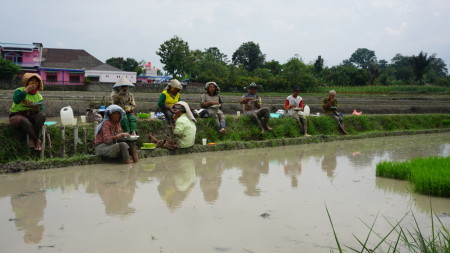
27	56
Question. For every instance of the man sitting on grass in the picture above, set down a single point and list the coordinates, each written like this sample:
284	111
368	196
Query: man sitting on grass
294	106
252	108
329	105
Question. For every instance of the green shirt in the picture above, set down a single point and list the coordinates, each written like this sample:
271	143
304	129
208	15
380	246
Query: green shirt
20	95
185	131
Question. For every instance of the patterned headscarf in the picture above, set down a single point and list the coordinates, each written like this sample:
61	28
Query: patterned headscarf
110	109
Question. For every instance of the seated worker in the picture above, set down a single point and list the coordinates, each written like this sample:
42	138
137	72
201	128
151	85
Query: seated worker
110	140
122	97
212	102
294	106
329	105
26	112
252	108
184	130
170	96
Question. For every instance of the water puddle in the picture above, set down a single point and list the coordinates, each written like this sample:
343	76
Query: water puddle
262	200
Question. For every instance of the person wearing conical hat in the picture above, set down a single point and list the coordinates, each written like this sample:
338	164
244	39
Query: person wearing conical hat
169	97
251	103
212	102
122	97
27	110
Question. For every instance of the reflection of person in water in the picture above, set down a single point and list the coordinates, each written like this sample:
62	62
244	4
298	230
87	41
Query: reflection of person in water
252	167
329	161
28	206
176	180
293	169
116	188
210	177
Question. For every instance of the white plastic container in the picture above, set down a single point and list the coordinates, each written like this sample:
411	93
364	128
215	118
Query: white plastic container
66	115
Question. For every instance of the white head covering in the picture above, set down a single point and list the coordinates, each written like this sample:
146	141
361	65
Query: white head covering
110	109
174	83
188	110
123	82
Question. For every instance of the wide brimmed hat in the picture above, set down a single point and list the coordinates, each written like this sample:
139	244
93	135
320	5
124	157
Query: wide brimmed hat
174	83
123	82
28	76
253	85
209	83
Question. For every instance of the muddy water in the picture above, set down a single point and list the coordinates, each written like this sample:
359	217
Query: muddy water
264	200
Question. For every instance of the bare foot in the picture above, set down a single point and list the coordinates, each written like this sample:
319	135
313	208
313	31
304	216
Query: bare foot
127	161
307	135
223	131
152	139
38	145
269	128
262	131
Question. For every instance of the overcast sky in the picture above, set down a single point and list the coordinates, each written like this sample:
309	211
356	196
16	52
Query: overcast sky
333	29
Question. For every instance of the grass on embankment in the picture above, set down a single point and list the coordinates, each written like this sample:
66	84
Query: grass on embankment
241	133
429	175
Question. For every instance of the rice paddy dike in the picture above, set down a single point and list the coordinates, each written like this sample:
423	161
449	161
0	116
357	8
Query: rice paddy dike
378	103
430	176
62	150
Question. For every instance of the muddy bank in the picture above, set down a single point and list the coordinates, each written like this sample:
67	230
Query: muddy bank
146	102
22	166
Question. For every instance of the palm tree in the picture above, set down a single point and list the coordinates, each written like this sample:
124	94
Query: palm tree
420	65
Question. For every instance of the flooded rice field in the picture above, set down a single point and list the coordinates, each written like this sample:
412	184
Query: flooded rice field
262	200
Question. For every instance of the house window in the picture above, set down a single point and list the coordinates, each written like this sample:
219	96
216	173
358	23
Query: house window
74	79
52	78
14	57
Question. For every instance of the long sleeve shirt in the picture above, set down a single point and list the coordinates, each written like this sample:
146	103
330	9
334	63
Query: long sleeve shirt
108	132
185	131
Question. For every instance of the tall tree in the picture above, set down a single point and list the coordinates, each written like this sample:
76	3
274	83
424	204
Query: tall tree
362	57
249	55
318	65
8	69
420	64
214	54
175	55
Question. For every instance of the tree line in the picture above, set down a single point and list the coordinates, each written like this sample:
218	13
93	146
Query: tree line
248	64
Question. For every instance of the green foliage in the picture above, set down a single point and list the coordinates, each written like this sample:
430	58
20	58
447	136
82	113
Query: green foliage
240	130
249	55
175	55
128	64
420	64
362	57
8	69
429	175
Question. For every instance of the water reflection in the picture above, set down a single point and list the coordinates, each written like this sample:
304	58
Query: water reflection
28	204
116	189
174	178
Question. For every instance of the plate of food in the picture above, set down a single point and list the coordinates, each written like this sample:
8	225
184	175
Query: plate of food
132	138
297	109
215	106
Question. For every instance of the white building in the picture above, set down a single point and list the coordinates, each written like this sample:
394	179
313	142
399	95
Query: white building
105	73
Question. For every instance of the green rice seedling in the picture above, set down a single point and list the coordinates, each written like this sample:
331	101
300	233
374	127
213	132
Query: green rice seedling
429	176
411	240
396	170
